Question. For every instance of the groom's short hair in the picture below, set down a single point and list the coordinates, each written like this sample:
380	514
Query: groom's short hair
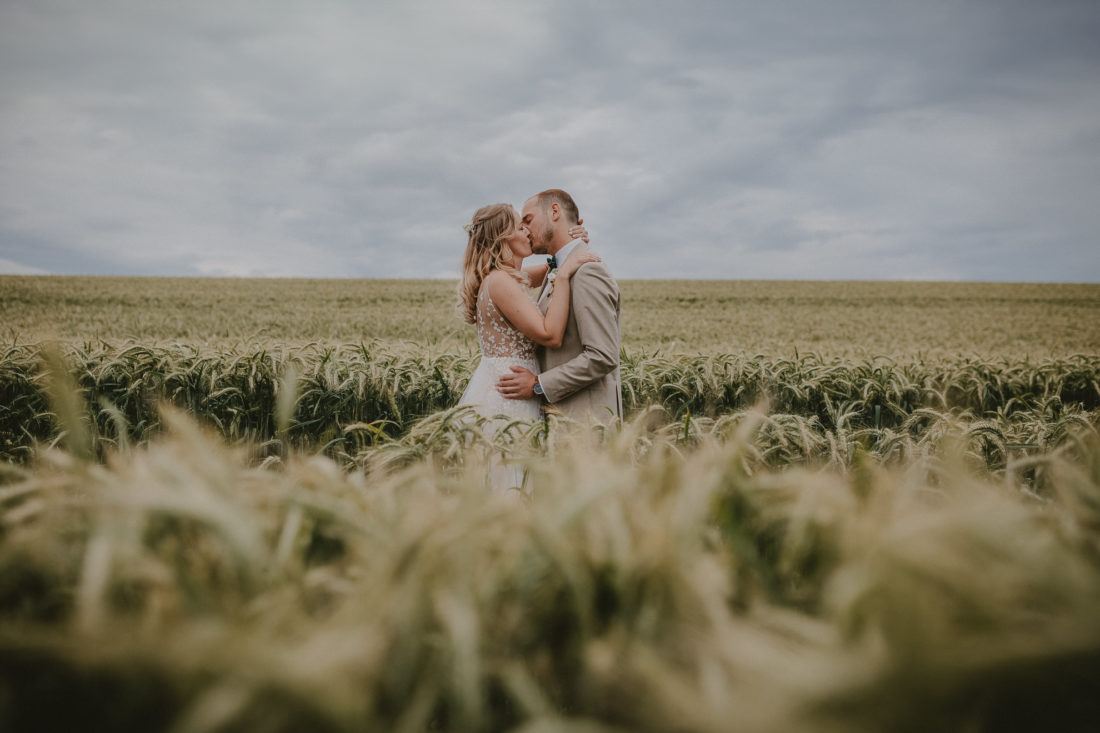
556	195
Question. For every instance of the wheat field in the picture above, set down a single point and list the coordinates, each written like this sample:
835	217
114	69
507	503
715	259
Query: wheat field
832	319
253	505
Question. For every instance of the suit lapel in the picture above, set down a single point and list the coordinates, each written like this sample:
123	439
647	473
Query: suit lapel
544	298
547	289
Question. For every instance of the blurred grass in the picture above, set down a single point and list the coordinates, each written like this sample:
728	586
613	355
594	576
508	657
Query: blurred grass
667	579
251	505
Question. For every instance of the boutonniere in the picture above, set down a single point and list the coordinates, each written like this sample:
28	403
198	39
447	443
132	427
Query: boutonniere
552	263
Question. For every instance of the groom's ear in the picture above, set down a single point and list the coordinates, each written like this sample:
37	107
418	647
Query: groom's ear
555	211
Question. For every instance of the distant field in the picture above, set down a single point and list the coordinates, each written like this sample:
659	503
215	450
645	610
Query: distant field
834	319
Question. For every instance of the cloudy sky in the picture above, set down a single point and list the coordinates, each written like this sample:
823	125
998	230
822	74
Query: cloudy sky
853	139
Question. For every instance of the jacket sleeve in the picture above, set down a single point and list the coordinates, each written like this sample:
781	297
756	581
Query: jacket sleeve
595	310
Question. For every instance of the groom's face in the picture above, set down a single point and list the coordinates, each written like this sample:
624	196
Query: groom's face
539	226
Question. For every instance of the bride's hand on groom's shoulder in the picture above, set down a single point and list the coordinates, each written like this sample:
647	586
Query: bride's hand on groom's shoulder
577	231
575	261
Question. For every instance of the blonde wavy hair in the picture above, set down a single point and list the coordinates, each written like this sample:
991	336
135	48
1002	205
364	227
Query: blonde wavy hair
490	228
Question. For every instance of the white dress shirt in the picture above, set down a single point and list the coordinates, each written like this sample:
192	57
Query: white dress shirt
564	252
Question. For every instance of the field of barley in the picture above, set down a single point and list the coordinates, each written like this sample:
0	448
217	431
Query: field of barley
901	320
254	505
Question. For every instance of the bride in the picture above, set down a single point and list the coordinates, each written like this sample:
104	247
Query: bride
494	294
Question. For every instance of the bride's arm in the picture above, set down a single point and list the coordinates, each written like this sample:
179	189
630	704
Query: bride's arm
514	304
536	273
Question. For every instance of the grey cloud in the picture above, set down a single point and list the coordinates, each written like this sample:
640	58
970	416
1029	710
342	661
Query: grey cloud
854	139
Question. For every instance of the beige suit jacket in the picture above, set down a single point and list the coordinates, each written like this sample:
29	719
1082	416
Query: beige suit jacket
581	377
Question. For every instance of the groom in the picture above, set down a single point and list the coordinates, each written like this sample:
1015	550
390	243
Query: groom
581	377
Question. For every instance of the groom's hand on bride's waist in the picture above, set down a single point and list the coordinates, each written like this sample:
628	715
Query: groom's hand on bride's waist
519	385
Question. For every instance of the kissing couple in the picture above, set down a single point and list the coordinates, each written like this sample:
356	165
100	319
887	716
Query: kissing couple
549	334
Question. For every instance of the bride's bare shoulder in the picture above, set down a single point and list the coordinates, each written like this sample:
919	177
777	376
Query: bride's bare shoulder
500	281
506	292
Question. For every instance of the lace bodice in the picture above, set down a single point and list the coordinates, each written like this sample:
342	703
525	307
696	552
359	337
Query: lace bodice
495	335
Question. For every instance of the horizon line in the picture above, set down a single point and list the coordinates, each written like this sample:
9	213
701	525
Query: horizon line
622	279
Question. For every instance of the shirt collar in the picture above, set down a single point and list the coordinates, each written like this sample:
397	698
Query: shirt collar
564	252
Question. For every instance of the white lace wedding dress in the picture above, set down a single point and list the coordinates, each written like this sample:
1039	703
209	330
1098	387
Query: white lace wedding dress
502	347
